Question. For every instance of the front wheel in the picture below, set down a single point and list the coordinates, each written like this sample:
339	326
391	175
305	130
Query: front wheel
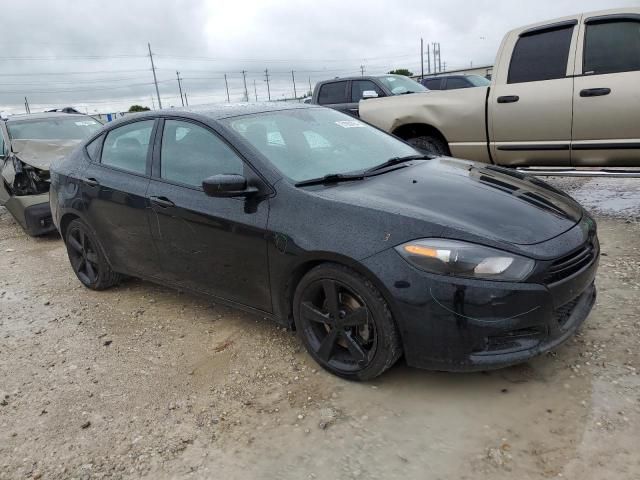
86	257
345	323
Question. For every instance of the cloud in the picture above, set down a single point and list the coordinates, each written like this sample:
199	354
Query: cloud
93	54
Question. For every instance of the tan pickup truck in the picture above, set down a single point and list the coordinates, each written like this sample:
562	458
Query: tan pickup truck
564	93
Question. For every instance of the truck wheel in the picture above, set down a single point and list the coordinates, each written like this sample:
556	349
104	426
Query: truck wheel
430	144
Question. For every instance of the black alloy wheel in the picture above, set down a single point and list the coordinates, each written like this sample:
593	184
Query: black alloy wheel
345	323
87	260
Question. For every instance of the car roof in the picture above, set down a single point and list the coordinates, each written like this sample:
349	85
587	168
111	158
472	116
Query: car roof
41	116
361	77
217	111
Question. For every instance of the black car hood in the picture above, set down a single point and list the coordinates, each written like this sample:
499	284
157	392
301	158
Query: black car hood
477	199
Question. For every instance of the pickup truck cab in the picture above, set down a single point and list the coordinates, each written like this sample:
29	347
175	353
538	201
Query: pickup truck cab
344	94
564	92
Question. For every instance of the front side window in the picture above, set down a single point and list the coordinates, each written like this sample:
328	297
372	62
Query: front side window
612	47
399	84
126	147
317	142
63	127
358	87
541	56
191	153
335	92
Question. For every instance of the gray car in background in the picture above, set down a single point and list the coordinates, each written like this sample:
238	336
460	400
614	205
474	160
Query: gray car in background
344	94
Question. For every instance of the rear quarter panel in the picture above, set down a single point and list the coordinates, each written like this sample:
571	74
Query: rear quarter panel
458	114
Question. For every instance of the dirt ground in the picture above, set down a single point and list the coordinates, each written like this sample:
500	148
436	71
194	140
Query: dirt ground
145	382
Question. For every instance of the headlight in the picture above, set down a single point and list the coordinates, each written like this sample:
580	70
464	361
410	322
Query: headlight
462	259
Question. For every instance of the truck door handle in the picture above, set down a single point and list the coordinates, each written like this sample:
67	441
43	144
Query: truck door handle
595	92
508	99
162	202
92	182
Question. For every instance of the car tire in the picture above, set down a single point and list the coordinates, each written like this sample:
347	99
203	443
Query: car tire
87	257
364	341
430	144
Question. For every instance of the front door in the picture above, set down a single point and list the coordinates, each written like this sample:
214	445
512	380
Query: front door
214	245
115	193
530	102
606	99
358	87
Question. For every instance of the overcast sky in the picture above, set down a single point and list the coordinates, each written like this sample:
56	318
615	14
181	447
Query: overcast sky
93	54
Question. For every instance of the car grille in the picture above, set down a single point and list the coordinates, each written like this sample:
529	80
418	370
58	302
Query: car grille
569	264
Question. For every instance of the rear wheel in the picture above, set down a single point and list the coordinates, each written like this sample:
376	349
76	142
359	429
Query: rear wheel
430	144
345	323
87	260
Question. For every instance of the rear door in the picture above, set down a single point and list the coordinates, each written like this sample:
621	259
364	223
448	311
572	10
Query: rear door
335	95
606	100
531	100
114	190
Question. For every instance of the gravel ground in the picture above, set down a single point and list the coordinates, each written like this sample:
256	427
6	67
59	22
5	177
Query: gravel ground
145	382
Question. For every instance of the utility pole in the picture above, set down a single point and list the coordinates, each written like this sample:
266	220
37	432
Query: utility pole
439	59
155	79
227	87
429	59
293	78
185	99
26	105
153	102
421	59
255	89
266	76
246	93
362	70
180	87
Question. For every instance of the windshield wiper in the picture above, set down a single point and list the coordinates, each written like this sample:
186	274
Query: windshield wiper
331	178
396	160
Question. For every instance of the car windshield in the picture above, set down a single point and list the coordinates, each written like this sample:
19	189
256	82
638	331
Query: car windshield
399	84
478	81
59	128
314	142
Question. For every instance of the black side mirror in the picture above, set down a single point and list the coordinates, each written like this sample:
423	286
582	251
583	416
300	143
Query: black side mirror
227	185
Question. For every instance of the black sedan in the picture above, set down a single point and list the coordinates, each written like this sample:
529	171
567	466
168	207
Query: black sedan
367	248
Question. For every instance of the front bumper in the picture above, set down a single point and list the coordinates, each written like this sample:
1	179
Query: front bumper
33	213
455	324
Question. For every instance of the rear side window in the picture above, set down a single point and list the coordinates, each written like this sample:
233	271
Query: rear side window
541	56
335	92
455	83
126	147
358	87
612	47
432	84
93	149
2	150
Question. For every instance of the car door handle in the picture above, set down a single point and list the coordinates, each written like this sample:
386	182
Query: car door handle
595	92
508	99
92	182
163	202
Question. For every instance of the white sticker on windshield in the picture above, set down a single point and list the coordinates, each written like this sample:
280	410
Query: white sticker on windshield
86	123
350	124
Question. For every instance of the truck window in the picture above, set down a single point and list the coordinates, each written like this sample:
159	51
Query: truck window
453	83
359	86
432	83
611	47
540	55
335	92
